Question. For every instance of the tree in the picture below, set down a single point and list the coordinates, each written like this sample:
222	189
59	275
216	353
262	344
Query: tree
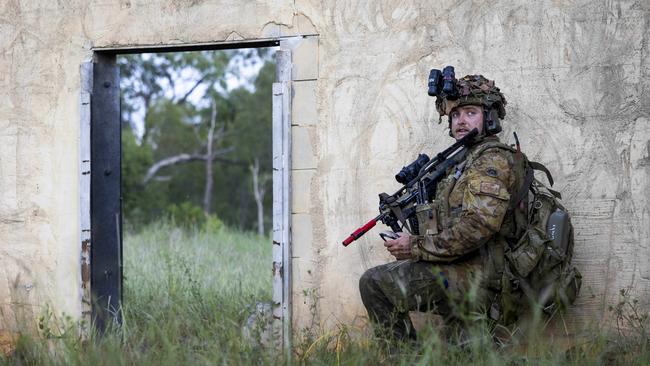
210	156
198	121
259	191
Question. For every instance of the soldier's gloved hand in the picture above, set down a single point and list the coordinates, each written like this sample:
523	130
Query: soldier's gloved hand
399	248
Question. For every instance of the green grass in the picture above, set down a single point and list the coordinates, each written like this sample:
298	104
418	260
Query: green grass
188	294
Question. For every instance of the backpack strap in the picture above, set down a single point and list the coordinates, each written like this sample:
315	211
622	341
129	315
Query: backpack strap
528	180
557	194
539	166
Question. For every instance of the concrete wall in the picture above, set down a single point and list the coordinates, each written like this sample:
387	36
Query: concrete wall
575	73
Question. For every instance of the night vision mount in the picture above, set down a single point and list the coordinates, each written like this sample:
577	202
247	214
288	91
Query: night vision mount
443	83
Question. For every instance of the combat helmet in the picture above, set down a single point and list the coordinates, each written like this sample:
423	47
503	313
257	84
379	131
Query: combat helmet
469	90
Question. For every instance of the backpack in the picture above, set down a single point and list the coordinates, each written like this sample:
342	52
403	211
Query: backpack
537	270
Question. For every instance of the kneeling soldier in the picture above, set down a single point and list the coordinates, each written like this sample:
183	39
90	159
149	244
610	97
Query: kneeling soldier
462	252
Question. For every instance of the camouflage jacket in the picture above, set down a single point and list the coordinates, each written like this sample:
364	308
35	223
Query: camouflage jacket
471	204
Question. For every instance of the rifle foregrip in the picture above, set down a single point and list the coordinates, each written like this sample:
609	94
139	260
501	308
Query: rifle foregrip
359	232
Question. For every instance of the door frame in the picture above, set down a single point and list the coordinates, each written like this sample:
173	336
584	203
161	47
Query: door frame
100	223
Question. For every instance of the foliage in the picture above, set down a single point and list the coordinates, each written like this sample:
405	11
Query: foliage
186	215
138	203
173	95
214	225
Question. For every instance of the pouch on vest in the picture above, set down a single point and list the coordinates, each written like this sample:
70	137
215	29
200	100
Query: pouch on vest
570	288
427	218
525	256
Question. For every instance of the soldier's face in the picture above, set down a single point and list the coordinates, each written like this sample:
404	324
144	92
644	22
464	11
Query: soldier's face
466	118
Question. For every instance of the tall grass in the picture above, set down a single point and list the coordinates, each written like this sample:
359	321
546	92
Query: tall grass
189	293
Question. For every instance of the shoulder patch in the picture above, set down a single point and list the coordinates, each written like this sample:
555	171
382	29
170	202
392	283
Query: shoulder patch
490	188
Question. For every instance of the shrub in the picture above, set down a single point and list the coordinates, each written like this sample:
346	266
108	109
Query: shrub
186	215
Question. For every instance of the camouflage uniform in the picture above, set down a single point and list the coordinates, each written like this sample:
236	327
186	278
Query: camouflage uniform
464	256
457	263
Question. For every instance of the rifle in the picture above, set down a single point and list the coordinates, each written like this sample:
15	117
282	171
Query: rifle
399	208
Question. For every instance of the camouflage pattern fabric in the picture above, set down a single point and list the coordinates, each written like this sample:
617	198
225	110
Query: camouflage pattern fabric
391	290
473	90
466	253
471	208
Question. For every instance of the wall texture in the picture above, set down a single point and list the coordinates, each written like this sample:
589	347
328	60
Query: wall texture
576	75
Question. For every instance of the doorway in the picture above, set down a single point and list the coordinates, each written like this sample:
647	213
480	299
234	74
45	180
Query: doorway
101	177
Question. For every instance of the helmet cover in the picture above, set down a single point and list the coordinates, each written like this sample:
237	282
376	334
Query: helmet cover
473	90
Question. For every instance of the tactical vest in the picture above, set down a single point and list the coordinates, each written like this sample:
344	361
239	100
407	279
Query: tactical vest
528	262
493	252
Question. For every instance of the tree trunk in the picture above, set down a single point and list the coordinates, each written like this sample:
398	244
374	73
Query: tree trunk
259	190
209	182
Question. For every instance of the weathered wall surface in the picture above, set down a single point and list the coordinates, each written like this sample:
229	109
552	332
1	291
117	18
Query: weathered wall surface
42	46
575	73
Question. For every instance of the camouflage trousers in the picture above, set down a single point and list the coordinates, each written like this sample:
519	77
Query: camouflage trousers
391	290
